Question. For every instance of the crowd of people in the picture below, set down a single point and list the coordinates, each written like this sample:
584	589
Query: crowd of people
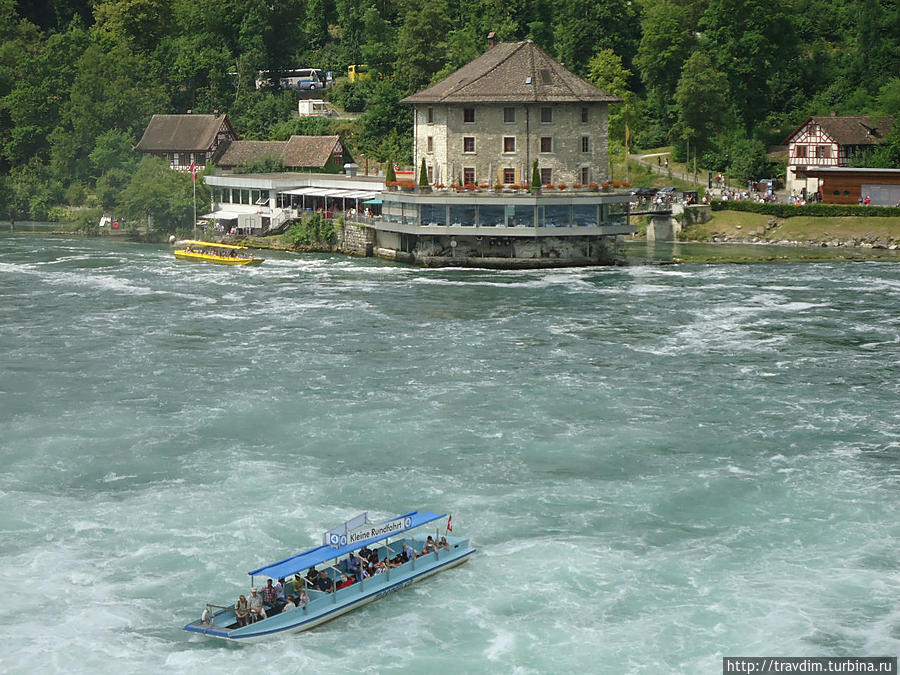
284	596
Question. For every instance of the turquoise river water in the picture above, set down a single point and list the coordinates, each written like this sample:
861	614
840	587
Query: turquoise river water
659	466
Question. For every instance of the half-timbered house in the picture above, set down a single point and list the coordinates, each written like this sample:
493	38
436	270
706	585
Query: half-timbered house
829	141
183	140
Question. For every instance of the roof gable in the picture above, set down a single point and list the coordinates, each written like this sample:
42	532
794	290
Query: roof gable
849	129
295	153
183	133
514	72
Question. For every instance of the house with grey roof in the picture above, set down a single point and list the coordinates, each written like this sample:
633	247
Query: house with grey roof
486	123
829	141
323	154
186	139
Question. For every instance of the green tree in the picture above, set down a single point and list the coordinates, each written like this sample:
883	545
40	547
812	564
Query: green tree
584	27
702	102
748	41
605	70
666	43
158	194
421	45
423	175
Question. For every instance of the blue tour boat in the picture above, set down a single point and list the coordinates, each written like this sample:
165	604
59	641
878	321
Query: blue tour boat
387	538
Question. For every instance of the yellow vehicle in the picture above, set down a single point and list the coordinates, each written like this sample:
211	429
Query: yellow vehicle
358	72
220	254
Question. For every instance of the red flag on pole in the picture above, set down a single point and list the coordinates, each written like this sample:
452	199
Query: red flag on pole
193	172
449	523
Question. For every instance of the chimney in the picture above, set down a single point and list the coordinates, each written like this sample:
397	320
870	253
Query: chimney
492	39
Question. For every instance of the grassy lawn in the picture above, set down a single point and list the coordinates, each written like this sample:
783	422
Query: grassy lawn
798	228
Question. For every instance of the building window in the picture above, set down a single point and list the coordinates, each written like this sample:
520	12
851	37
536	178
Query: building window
509	115
546	144
585	175
584	114
469	175
509	144
823	151
585	144
468	144
509	176
801	151
429	144
546	115
469	115
430	170
431	116
183	159
546	176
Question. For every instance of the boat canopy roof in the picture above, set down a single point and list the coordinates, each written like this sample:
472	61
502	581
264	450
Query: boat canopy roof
191	242
315	556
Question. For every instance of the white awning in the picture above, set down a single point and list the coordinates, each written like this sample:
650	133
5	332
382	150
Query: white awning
333	193
221	215
302	191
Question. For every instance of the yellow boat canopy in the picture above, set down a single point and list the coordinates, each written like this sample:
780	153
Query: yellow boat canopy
191	242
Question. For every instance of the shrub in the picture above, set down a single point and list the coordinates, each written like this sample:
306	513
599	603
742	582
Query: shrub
311	230
788	210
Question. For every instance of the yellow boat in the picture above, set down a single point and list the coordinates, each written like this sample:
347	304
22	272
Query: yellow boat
220	254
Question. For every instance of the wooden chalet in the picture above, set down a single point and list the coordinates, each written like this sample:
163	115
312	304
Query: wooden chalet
829	141
323	154
186	139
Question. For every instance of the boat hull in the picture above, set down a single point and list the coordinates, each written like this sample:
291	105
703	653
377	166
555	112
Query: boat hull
331	607
216	260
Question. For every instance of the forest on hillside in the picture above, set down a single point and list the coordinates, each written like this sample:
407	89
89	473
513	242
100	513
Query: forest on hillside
719	79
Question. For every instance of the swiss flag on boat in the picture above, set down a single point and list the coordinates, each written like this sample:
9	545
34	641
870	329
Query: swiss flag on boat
193	172
449	523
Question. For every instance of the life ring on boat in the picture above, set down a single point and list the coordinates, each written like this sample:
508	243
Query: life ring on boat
115	225
207	616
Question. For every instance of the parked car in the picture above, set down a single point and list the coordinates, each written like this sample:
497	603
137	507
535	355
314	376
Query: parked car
644	191
668	190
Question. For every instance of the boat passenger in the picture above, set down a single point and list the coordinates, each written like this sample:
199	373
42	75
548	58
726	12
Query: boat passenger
346	581
257	611
298	583
279	592
381	567
324	583
353	566
408	552
429	546
289	605
269	596
443	544
242	611
303	599
312	577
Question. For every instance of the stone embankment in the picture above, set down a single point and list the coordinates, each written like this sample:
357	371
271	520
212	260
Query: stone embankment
769	235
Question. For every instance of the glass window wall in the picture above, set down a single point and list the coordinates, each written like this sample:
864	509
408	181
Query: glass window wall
434	214
520	215
490	215
462	215
585	215
556	215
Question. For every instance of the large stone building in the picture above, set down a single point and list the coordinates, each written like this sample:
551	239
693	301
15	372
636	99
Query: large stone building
487	122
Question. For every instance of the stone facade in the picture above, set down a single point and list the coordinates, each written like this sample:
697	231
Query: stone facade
356	239
491	143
